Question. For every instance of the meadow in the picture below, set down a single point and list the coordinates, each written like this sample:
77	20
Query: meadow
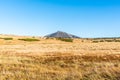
28	58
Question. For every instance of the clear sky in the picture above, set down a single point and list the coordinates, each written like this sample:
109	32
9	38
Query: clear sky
84	18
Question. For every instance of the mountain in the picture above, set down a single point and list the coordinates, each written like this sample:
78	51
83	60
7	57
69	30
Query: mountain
60	34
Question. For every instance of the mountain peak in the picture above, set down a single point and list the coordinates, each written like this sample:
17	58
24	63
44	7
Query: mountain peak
61	34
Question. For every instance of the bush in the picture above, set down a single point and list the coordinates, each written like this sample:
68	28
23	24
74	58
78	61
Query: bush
101	40
29	39
7	38
95	41
117	40
65	39
109	40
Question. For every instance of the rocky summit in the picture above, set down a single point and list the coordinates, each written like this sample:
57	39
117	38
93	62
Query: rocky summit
60	34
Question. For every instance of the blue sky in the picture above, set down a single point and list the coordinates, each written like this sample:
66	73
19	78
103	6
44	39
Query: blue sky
84	18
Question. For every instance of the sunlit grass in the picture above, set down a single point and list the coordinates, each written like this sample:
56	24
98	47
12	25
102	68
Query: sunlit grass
59	66
58	60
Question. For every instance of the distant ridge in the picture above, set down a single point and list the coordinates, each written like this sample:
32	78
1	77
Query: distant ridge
60	34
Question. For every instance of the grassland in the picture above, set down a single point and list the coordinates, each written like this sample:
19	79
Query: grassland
52	59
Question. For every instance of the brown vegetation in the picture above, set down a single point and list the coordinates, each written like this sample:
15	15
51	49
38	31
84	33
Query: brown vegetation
51	59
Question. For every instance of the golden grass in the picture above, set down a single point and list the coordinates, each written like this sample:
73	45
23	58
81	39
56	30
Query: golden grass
59	66
56	60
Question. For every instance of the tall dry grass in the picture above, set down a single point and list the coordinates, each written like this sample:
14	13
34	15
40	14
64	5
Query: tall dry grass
49	60
59	66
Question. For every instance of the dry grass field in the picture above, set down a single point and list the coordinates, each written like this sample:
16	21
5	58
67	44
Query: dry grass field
50	59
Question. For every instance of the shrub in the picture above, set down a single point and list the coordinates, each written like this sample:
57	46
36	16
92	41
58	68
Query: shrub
65	39
95	41
117	40
47	38
29	39
101	40
7	38
109	40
